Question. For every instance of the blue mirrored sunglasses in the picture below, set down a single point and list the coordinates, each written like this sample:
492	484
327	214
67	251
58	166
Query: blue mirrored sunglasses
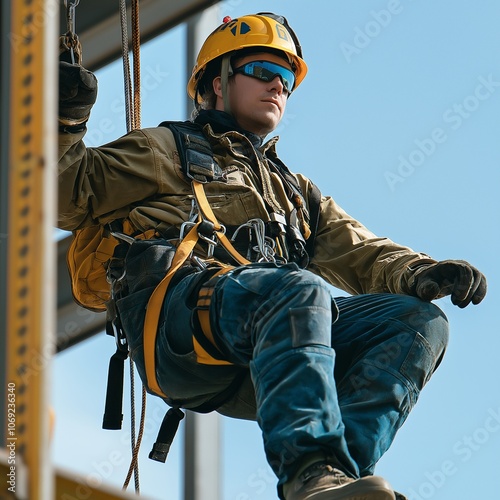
268	71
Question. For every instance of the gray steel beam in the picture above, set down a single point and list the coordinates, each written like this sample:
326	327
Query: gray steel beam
202	460
98	24
198	28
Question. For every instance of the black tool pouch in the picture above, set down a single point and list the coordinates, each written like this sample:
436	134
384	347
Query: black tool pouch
146	263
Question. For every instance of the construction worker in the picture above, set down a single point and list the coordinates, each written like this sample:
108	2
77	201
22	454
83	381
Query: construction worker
329	380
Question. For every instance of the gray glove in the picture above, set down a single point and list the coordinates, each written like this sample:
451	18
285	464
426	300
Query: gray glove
457	278
77	93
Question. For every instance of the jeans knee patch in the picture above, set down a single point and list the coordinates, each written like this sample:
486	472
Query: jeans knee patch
419	363
310	325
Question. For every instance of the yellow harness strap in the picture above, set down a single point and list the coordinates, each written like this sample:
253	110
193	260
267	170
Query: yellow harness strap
155	303
203	310
209	215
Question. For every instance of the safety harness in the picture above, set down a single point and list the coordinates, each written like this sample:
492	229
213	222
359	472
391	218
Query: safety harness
198	165
97	255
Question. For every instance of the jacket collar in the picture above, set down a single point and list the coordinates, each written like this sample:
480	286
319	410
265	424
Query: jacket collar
222	122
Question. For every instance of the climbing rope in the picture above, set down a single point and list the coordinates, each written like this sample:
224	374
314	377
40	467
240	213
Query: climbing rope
69	42
133	118
132	92
136	45
134	463
126	67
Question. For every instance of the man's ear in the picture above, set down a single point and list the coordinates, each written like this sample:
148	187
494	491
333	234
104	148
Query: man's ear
217	85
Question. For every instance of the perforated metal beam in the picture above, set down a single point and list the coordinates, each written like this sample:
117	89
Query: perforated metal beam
28	132
68	486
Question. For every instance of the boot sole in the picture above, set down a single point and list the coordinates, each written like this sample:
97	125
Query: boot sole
367	488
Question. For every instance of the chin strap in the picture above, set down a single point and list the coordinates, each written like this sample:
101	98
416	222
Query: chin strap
225	72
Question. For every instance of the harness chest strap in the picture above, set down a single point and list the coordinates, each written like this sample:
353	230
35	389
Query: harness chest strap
206	210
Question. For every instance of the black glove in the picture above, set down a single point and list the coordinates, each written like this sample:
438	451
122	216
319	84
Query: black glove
77	93
457	278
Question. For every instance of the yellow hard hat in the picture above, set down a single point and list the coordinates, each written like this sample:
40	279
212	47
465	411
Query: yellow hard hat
265	30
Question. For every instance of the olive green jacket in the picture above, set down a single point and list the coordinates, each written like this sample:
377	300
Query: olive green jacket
139	176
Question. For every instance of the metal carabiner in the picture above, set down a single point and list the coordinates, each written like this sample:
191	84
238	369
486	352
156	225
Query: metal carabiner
267	250
71	13
211	242
191	220
248	225
193	213
185	225
264	247
71	23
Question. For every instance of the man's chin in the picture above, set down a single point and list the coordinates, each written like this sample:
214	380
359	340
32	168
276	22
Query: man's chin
261	127
268	127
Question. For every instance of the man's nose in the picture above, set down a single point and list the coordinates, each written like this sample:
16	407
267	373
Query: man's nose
277	84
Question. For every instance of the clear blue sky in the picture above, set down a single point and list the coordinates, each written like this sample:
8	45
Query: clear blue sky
398	120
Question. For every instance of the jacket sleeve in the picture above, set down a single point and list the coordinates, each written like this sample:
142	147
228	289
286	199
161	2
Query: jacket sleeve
100	184
350	257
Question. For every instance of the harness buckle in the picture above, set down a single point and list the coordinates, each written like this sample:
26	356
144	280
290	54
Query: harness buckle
112	277
207	233
196	261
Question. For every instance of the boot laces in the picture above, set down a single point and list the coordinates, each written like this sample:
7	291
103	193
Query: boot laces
322	469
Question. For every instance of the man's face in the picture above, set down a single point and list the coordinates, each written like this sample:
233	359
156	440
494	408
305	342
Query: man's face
256	105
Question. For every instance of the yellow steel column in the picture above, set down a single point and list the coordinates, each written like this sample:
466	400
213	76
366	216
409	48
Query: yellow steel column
30	250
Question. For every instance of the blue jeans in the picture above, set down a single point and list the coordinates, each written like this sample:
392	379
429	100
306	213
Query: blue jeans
338	377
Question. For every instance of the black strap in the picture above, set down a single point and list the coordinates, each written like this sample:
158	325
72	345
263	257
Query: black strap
314	212
314	200
113	415
195	152
166	435
292	186
289	180
171	420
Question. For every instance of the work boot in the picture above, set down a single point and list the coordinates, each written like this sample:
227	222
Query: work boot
321	481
